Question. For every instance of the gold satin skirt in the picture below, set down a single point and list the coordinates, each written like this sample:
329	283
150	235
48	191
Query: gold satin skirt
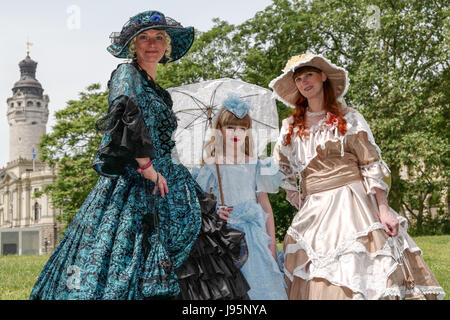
336	248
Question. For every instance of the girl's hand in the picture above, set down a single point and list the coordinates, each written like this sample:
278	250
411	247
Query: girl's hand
273	248
225	213
157	178
389	221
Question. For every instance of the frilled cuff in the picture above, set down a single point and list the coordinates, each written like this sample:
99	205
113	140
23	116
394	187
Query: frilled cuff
293	197
376	175
268	176
290	180
127	137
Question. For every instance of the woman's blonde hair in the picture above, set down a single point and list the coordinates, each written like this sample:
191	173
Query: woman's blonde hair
214	147
132	48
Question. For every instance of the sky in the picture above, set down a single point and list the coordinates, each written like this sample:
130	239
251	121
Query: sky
70	39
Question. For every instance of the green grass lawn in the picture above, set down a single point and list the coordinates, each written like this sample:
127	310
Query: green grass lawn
19	273
436	253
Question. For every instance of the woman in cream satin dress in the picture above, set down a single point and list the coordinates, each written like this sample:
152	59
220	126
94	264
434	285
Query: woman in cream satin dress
345	242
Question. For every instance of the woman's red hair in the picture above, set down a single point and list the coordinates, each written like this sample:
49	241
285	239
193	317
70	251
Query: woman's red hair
330	105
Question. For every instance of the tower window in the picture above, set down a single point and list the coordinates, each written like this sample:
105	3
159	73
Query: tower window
29	103
19	104
34	122
12	104
38	104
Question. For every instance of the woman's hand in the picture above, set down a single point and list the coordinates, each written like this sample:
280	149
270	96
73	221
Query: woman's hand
387	218
263	200
225	213
389	221
157	178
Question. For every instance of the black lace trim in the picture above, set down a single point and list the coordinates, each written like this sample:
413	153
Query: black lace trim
149	82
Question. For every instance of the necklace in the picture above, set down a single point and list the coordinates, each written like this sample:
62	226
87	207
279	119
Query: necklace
313	114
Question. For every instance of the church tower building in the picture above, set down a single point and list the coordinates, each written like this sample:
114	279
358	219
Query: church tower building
27	222
27	113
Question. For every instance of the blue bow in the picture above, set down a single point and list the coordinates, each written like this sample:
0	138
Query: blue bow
236	105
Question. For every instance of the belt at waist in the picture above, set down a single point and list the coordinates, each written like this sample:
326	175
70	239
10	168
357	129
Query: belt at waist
315	184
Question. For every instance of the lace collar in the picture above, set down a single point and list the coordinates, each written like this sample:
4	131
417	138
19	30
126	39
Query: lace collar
315	114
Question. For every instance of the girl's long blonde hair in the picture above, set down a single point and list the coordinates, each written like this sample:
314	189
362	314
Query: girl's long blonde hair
215	148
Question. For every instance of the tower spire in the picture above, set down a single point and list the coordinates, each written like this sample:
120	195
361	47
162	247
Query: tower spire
28	46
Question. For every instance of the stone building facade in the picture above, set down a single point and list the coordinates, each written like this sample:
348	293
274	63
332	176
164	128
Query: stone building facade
27	223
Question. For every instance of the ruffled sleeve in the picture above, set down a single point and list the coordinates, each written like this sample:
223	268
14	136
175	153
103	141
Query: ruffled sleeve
280	156
126	136
374	170
376	175
268	176
206	179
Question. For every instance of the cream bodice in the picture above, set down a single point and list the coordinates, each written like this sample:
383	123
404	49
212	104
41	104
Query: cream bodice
324	159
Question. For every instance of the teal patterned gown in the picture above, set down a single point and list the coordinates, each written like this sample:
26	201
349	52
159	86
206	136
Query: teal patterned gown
110	249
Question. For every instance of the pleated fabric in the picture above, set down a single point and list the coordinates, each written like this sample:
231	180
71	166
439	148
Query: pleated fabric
212	270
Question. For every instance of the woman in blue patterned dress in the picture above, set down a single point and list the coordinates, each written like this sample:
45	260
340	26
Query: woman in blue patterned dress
115	248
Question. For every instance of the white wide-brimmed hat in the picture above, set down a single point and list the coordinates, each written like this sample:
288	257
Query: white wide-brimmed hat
287	92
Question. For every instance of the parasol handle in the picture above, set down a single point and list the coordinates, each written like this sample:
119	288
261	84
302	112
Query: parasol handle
217	166
220	184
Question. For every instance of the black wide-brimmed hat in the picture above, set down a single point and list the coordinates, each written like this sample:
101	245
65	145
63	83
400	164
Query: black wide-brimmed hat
181	38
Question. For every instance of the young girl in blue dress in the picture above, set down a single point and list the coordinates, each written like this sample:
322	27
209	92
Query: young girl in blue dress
245	183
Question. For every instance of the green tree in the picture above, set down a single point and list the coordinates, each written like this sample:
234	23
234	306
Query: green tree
71	148
399	82
400	87
213	55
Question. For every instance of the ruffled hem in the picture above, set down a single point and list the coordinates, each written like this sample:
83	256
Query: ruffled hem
364	285
211	271
416	294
